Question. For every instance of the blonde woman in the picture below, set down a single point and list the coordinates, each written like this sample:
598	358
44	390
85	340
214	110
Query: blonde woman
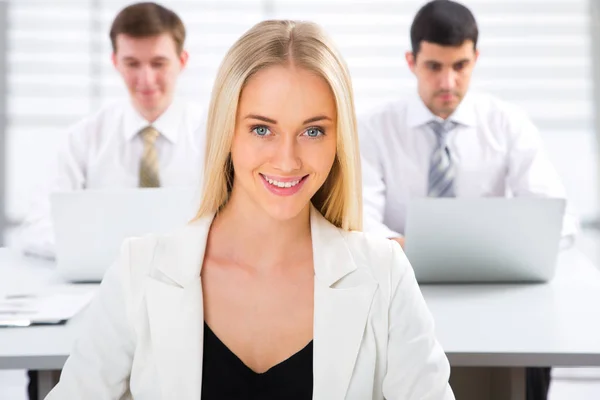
271	293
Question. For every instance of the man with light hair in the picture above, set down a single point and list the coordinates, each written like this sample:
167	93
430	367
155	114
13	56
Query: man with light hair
152	139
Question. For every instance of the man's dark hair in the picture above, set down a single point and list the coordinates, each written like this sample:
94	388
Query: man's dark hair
445	23
147	19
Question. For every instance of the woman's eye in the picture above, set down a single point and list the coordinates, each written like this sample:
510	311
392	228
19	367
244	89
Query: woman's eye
314	132
261	130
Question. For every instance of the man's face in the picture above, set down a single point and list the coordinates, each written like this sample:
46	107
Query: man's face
443	74
150	67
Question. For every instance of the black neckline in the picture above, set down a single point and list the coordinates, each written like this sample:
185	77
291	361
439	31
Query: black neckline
294	358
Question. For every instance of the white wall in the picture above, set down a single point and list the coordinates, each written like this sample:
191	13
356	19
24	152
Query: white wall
533	52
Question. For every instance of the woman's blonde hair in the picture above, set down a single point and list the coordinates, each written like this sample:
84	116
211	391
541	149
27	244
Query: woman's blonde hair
283	42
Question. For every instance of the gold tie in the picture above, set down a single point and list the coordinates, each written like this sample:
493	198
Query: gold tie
149	162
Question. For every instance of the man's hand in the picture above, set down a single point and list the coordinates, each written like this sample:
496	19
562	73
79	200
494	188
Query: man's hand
399	240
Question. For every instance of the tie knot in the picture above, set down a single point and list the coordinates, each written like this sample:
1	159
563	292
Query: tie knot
442	127
149	135
441	130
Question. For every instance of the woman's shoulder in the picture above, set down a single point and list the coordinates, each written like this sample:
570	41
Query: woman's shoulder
376	245
135	257
382	257
142	254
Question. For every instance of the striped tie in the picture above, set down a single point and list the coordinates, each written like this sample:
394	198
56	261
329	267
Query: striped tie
149	163
441	168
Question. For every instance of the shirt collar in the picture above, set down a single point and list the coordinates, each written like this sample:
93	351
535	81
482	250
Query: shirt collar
168	123
419	114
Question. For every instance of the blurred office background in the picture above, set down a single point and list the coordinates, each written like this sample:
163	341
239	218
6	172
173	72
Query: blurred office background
540	54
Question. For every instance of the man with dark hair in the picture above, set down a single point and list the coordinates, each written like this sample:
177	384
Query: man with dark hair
150	140
474	144
447	141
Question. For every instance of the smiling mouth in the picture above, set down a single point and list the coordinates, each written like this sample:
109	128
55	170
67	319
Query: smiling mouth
283	184
283	187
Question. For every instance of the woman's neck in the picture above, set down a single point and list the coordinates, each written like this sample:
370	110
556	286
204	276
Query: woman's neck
244	233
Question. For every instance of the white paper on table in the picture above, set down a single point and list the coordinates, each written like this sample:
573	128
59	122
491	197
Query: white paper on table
52	305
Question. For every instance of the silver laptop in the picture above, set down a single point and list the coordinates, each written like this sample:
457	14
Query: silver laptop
90	225
465	240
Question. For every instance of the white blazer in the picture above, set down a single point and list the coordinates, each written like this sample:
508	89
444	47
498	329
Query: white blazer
373	334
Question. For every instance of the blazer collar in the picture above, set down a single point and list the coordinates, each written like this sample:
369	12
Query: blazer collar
175	309
331	255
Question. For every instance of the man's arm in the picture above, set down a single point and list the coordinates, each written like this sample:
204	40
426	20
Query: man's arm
530	172
373	186
36	236
400	240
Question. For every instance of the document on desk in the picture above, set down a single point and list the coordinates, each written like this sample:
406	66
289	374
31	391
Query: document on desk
50	306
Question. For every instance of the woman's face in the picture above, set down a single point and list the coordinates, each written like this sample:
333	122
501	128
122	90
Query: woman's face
284	143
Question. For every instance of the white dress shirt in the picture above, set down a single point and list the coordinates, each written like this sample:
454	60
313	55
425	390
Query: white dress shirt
495	148
104	151
373	335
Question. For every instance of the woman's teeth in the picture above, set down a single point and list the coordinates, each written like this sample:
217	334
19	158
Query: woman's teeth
282	184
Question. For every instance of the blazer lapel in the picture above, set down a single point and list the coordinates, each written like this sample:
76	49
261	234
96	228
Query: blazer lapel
341	310
175	311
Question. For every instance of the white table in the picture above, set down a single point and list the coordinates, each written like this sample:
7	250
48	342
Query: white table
37	348
516	326
479	326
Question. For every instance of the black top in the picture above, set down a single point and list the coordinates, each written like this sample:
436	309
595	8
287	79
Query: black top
225	376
